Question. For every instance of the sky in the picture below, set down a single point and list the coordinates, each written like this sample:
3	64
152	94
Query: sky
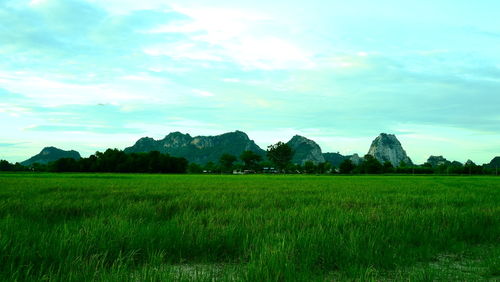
90	75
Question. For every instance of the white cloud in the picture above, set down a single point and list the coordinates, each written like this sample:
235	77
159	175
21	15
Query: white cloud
233	36
13	109
182	51
231	80
203	93
267	53
36	2
127	89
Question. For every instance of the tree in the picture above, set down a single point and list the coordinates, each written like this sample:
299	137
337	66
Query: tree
346	167
210	167
65	165
113	160
371	165
195	168
324	167
471	168
280	154
226	162
5	166
39	167
388	167
309	167
250	159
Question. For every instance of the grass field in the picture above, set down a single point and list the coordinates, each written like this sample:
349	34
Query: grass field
105	227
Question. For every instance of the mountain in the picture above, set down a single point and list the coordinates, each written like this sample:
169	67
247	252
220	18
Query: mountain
435	161
335	159
199	149
305	150
469	163
51	154
386	147
495	162
355	159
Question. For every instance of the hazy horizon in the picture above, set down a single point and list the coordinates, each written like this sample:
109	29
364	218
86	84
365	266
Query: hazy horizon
88	75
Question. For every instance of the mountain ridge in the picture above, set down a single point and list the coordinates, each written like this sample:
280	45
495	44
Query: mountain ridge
202	149
387	148
198	149
50	154
305	150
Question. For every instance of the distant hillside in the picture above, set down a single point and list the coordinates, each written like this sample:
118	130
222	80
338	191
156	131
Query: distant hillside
495	163
435	161
386	147
305	150
335	159
51	154
203	149
199	149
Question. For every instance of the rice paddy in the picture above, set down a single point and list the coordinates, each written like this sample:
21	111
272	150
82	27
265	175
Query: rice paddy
127	227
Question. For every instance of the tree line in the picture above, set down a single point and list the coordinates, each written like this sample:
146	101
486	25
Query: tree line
280	155
279	160
114	160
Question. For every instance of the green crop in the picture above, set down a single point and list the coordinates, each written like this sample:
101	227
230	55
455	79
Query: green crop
113	227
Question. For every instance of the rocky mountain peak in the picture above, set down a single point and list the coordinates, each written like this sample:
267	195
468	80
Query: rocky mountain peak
241	133
49	150
435	161
176	135
386	147
495	162
305	150
176	140
51	154
145	140
469	163
236	134
335	159
298	139
199	149
355	159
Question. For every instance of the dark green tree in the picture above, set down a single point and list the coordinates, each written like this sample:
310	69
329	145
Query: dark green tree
39	167
6	166
471	168
195	168
226	162
323	168
280	154
346	166
250	159
210	167
309	167
371	165
65	165
113	160
388	167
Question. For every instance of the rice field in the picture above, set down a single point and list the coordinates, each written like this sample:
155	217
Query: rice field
126	227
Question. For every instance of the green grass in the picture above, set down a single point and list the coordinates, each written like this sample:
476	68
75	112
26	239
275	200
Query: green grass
108	227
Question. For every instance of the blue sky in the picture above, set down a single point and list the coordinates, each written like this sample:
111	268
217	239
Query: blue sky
89	75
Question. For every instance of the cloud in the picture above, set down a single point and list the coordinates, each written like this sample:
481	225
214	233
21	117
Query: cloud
203	93
12	144
89	68
233	36
84	128
47	38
